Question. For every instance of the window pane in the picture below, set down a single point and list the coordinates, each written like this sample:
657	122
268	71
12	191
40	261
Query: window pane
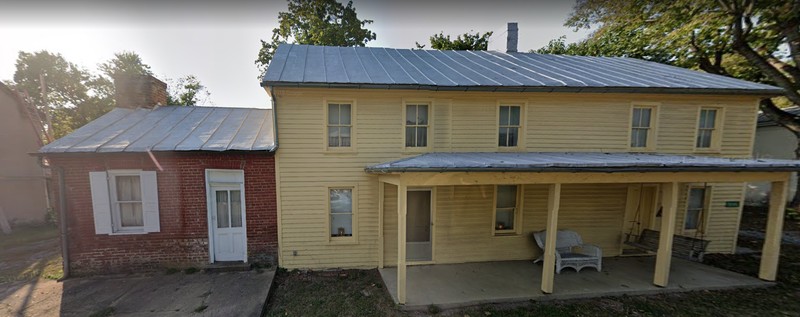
344	114
503	115
131	214
637	116
711	118
704	138
638	137
411	115
506	196
341	200
333	137
223	220
344	136
333	113
422	114
692	219
236	208
411	136
514	115
341	225
696	198
504	219
512	136
128	188
422	136
645	120
503	137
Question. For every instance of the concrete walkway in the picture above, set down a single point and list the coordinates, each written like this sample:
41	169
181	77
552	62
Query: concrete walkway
459	285
200	294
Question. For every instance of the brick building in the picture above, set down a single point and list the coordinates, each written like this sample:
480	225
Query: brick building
148	187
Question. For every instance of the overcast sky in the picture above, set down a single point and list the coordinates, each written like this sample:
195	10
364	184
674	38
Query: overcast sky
218	41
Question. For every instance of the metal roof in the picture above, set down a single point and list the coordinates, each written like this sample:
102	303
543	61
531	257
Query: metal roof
172	128
576	162
388	68
766	121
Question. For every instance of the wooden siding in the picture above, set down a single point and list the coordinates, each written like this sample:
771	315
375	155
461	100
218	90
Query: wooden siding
467	122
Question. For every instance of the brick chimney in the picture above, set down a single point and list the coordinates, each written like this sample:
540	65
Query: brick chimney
139	91
513	37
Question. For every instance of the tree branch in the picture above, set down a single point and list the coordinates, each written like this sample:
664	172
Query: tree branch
780	117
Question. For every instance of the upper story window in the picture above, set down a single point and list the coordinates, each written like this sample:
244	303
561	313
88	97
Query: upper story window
339	125
707	131
642	132
417	125
509	126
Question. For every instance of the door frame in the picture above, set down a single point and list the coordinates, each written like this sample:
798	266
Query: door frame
432	190
225	178
632	203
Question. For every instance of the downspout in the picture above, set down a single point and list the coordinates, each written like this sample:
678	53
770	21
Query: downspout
274	117
62	206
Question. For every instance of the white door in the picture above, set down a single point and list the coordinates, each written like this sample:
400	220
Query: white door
418	226
228	225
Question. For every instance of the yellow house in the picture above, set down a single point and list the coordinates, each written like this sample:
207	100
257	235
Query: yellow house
395	157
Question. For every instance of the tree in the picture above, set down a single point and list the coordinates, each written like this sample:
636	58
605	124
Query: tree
316	22
463	42
188	91
747	39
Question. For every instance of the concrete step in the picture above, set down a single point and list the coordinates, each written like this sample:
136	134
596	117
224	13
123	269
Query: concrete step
227	267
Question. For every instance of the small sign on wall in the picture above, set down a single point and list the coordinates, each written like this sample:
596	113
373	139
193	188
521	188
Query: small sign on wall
732	204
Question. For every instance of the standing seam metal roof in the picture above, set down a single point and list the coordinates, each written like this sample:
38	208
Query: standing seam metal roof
171	128
376	67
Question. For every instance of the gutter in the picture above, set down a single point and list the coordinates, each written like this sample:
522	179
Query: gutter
274	118
583	169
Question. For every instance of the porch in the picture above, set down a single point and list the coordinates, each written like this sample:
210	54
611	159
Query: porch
460	285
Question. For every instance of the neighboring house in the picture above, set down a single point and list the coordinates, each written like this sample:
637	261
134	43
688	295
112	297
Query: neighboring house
461	155
776	142
148	186
23	185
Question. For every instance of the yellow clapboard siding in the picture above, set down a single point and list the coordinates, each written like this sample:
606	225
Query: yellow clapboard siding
466	121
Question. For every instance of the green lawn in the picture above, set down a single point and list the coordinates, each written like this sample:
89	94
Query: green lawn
29	253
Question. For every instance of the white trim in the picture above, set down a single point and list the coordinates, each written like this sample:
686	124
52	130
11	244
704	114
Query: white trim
239	174
432	190
116	222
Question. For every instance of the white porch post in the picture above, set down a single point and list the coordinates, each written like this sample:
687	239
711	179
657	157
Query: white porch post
669	194
548	268
402	192
771	251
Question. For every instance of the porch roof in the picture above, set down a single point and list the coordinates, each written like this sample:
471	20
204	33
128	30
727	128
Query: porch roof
577	162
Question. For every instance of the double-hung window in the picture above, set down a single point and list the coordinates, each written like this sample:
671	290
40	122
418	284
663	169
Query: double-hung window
341	211
695	205
707	132
509	125
506	215
417	125
124	201
642	128
339	125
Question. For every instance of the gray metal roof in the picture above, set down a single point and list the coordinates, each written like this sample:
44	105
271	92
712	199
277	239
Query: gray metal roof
388	68
172	128
576	162
765	121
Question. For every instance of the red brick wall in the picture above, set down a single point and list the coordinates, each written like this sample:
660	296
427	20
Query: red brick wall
183	240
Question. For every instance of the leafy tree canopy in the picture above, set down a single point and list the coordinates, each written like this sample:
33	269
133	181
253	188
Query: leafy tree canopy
316	22
188	91
463	42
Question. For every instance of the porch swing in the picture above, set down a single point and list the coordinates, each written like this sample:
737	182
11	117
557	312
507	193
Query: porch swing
684	247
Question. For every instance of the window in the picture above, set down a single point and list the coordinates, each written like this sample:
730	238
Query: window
706	129
341	211
339	125
509	126
124	201
506	209
694	208
642	127
229	208
417	125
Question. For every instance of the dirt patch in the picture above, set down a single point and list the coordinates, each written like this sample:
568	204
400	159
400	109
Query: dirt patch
30	253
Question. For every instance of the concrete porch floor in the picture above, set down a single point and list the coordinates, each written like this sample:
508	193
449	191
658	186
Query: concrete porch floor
459	285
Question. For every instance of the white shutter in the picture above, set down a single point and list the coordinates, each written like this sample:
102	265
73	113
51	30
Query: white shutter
150	201
101	204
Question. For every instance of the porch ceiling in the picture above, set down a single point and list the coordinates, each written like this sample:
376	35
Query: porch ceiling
573	162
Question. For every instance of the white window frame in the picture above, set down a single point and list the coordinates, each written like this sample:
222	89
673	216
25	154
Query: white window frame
116	217
652	129
429	126
520	127
326	125
716	132
702	215
353	238
517	213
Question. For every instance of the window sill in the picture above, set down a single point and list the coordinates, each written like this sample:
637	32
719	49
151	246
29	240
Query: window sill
126	233
342	240
509	149
415	150
506	234
707	150
339	151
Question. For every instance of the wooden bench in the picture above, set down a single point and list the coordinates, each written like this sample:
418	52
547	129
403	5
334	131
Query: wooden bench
682	246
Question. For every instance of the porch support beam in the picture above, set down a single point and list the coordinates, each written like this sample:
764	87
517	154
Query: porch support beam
669	194
548	267
381	188
771	251
511	178
402	209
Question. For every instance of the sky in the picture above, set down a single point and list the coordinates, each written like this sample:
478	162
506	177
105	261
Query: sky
218	41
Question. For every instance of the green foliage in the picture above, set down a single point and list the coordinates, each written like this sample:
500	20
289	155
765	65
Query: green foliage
316	22
463	42
188	91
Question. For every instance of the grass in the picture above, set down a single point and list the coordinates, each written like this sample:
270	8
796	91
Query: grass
24	235
30	252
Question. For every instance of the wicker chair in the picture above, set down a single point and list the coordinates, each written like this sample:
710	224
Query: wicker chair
571	251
